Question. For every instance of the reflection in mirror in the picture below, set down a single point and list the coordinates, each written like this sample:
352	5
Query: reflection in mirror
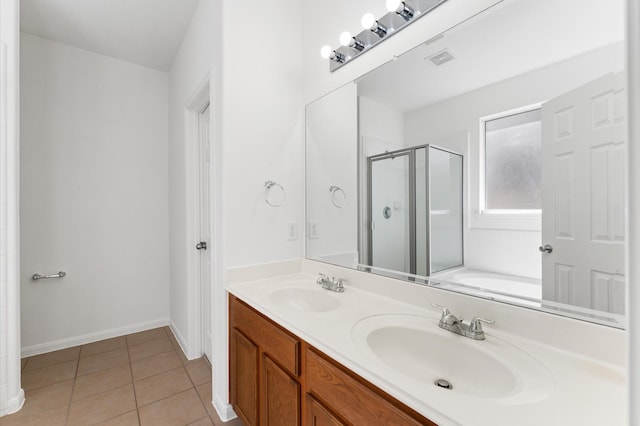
332	155
488	160
414	210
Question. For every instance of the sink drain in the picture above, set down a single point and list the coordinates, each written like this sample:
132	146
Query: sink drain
442	383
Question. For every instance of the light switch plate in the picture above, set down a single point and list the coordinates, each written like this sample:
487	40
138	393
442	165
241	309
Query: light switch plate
292	231
313	230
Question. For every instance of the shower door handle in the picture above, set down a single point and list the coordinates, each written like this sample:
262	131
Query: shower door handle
202	245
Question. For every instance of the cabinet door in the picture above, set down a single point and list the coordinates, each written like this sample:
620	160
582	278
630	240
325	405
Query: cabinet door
280	396
244	378
318	415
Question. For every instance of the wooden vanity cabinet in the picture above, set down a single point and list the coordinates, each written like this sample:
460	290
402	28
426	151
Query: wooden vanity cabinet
277	379
264	374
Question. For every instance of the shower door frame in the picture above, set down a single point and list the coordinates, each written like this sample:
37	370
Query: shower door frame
411	152
462	205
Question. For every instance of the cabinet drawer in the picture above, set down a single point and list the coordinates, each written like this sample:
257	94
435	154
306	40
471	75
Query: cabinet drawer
270	337
353	400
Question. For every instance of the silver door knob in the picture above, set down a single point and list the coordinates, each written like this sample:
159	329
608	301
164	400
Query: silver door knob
545	249
202	245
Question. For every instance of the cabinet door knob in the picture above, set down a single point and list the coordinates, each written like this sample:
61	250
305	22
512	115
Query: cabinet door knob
202	245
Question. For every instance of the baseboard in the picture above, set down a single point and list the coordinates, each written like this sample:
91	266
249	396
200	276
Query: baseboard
224	410
179	338
14	404
70	342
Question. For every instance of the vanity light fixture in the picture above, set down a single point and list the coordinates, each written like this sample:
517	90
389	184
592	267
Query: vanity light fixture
400	8
347	40
328	53
370	23
401	13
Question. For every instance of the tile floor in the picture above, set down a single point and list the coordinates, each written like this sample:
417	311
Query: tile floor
138	379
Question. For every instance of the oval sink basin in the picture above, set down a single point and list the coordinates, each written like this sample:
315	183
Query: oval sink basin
417	348
305	299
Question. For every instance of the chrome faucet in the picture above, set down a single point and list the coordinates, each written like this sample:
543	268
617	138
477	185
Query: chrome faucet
332	284
451	323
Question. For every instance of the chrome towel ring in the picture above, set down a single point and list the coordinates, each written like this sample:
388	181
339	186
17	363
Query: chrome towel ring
274	198
338	196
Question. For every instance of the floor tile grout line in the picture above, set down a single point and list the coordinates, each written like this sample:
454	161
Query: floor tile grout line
116	416
204	402
161	373
173	394
23	370
166	397
133	385
97	394
105	390
73	387
194	387
48	384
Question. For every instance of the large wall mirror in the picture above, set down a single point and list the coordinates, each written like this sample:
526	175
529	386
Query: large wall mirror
488	160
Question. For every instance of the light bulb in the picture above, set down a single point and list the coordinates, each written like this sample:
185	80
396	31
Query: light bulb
399	7
346	39
368	21
326	51
395	5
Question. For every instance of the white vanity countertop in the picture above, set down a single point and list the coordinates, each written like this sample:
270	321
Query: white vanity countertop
586	391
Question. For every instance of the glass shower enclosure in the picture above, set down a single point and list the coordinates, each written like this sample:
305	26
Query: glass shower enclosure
415	198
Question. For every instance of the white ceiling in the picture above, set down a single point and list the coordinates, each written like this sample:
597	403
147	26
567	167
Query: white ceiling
145	32
512	38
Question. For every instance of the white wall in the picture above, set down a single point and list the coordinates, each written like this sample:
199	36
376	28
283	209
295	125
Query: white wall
381	122
11	394
94	195
195	62
331	152
263	129
512	251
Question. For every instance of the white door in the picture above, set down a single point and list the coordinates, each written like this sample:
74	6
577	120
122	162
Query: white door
205	243
583	189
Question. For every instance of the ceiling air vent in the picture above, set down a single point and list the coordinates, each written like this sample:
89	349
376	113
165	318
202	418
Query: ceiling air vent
441	57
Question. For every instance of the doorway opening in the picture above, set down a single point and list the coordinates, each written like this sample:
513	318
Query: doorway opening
201	212
204	224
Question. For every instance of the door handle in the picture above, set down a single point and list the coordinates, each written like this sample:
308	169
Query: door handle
202	245
545	249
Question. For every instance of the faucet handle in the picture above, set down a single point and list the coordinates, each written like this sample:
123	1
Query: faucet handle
445	310
321	278
476	325
340	285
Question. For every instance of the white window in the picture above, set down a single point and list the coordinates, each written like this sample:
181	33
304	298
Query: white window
510	170
513	162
